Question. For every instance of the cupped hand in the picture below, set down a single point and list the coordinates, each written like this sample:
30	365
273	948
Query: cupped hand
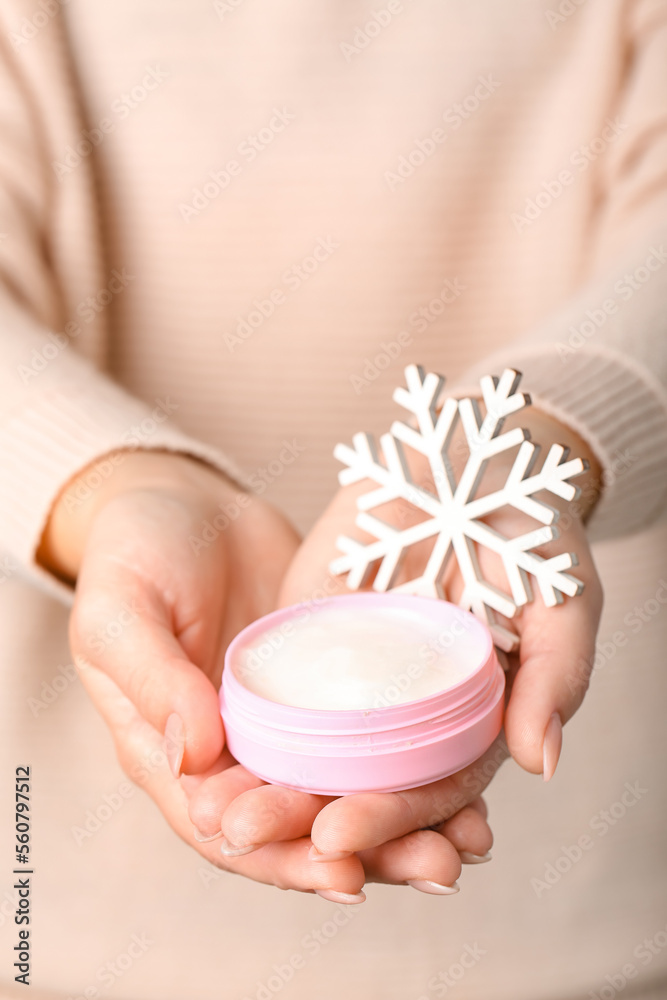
171	560
547	676
253	824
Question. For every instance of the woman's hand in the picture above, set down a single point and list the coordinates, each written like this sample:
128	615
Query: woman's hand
158	598
258	826
547	677
171	561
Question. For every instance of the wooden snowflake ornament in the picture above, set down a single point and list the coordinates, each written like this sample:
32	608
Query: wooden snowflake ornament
453	510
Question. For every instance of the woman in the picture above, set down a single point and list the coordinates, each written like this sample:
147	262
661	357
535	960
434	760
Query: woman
217	220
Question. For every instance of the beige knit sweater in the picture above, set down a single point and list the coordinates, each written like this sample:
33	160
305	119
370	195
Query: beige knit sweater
225	227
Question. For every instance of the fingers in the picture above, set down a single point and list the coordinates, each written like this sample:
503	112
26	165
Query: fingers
191	782
271	813
121	625
480	806
209	801
469	833
139	747
286	861
430	860
254	814
208	796
424	858
359	822
288	866
236	805
556	658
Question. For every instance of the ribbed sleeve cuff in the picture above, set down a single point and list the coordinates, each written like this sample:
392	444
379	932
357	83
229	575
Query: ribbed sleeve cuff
616	406
60	432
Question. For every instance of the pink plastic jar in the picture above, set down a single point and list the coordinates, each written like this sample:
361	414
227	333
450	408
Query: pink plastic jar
385	749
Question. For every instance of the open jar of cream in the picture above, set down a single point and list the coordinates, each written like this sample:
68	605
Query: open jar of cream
363	692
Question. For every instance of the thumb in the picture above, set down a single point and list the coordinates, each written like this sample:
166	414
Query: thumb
123	628
556	658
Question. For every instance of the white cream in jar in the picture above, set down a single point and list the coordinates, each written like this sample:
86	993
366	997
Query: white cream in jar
334	658
362	692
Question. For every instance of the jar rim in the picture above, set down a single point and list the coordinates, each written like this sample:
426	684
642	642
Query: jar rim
459	697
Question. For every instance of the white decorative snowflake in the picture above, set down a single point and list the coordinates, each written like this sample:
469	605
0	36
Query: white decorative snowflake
454	510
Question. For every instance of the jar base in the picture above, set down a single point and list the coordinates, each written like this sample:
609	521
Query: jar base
362	791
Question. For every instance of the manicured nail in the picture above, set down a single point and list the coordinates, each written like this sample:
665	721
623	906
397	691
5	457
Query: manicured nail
233	851
553	741
202	838
341	897
316	855
424	885
174	743
474	859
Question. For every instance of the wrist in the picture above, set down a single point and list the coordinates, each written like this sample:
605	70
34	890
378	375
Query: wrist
83	497
546	431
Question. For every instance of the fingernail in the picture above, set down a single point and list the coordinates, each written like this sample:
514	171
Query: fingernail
174	743
202	838
233	851
316	855
423	885
553	741
474	859
341	897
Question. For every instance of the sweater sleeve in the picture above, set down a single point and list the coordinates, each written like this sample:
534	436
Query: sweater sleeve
59	412
599	364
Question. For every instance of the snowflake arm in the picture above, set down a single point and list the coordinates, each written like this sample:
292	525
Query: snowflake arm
391	544
453	512
433	437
